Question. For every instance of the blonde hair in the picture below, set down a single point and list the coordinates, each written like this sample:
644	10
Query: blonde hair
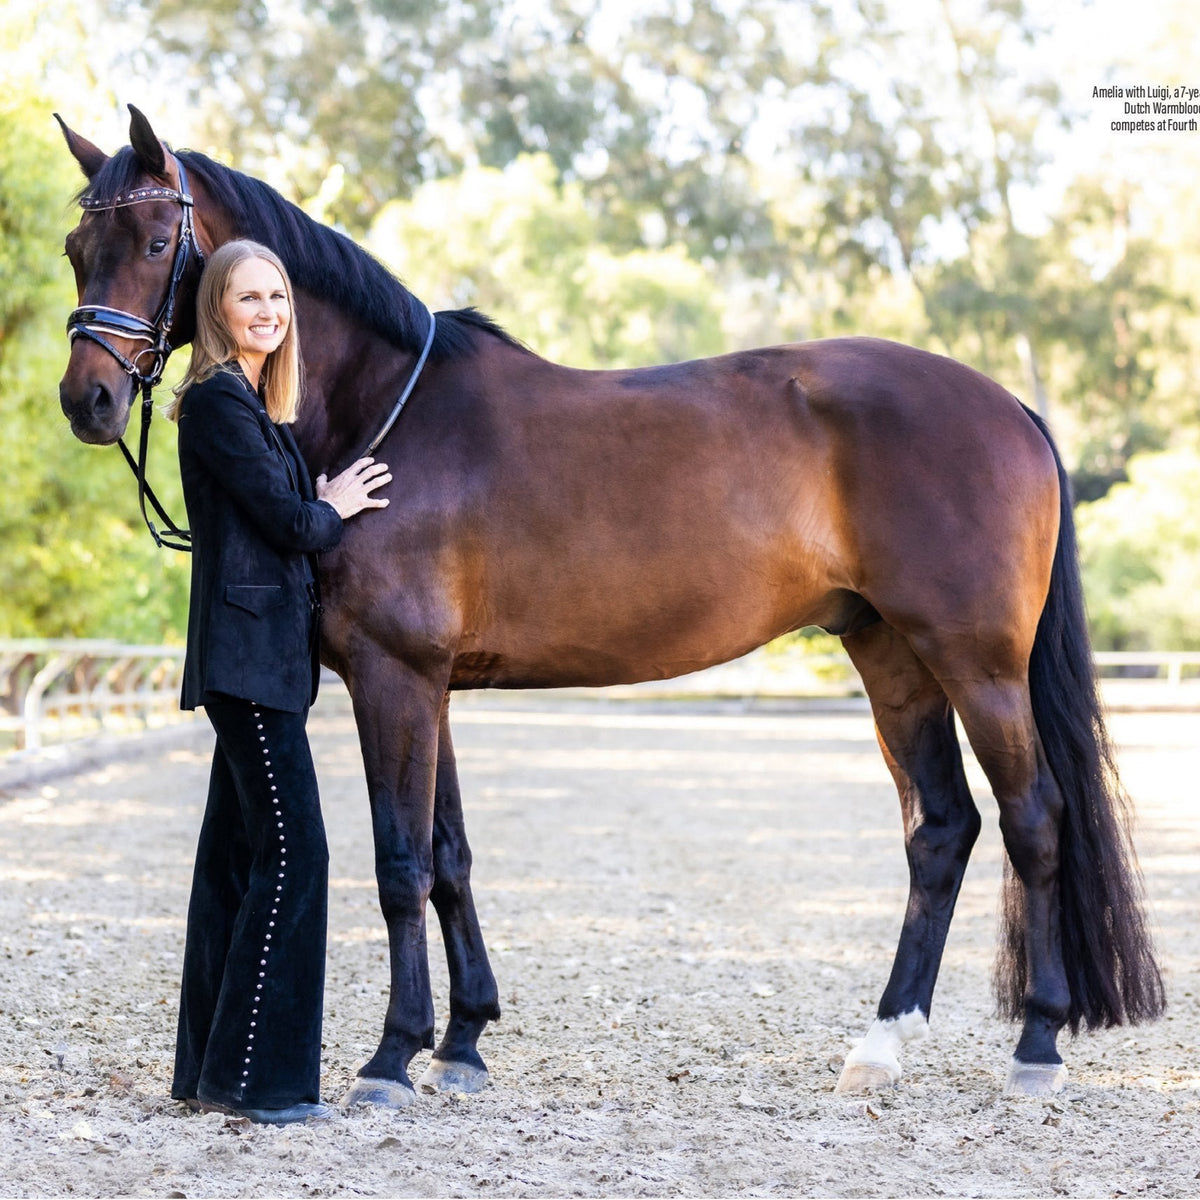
213	346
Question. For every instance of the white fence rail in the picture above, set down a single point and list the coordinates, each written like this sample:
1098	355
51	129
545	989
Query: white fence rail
1168	665
55	691
58	690
1138	679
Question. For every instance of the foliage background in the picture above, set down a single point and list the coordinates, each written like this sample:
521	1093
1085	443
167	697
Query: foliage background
625	183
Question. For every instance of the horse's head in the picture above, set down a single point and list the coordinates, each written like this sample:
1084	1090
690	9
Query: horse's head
136	259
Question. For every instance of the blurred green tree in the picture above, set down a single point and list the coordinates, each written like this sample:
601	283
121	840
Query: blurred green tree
1140	547
525	249
655	112
1077	318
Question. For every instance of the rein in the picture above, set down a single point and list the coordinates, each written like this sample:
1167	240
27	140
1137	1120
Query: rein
98	323
398	407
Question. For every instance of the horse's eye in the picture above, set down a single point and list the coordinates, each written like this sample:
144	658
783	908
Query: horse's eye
158	245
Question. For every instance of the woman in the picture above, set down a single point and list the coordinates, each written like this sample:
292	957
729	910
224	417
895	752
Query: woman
254	963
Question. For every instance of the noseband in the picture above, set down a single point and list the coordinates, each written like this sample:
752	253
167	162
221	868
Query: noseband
98	323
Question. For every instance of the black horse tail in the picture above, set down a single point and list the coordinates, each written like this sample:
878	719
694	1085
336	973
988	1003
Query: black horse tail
1107	950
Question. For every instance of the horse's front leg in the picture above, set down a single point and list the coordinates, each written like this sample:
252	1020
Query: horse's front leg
456	1065
397	710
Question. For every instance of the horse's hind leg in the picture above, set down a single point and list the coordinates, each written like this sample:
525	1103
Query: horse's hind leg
915	726
456	1065
997	716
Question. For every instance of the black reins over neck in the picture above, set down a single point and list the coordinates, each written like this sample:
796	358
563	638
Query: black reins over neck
398	407
183	537
98	323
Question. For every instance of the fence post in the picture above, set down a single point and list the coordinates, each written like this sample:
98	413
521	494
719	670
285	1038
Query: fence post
53	689
31	710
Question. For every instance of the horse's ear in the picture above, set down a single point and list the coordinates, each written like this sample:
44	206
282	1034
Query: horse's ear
89	157
146	146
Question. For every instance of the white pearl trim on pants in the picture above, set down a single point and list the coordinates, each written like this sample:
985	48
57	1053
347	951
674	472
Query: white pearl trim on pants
262	974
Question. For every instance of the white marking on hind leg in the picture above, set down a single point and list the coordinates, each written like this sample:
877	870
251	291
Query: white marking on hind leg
875	1061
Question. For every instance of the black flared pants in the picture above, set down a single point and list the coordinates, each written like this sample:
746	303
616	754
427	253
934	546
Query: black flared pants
254	960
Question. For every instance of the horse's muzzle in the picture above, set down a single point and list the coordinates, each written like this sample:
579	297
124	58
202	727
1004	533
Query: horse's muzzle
97	416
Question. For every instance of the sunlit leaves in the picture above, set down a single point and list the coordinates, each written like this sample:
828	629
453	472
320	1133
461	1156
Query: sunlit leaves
1141	555
526	250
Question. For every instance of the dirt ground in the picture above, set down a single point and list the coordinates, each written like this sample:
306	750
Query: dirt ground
691	911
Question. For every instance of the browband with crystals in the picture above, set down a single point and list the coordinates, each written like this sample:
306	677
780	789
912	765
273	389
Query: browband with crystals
137	196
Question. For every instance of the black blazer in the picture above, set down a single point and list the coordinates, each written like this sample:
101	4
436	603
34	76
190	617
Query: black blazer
256	530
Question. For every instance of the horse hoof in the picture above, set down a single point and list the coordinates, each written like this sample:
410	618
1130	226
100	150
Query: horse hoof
1035	1079
443	1076
857	1078
382	1093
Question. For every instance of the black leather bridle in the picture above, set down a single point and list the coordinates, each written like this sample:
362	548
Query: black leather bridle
98	323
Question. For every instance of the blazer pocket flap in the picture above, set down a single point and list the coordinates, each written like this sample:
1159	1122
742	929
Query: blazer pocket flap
254	598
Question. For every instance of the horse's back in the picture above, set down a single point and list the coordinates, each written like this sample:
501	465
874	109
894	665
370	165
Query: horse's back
835	445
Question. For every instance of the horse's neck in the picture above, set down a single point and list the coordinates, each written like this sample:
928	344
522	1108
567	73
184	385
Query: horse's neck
352	376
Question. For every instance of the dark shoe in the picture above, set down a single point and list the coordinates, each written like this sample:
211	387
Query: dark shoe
292	1115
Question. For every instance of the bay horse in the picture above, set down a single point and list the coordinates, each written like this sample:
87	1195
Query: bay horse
552	527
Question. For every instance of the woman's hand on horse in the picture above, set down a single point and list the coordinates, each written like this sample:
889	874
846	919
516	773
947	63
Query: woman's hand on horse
350	492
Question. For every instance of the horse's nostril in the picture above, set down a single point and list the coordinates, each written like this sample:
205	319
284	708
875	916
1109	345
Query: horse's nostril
102	402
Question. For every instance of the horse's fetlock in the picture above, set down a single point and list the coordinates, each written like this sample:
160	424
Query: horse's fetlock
1049	1007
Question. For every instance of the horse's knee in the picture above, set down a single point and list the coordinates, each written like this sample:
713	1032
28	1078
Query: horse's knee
405	882
452	859
451	864
451	885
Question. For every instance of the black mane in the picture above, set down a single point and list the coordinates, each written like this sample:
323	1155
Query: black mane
319	259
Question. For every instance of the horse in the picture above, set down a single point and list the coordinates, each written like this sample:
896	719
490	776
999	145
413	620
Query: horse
555	527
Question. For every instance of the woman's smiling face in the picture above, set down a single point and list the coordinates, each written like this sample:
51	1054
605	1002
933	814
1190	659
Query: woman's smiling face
256	311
